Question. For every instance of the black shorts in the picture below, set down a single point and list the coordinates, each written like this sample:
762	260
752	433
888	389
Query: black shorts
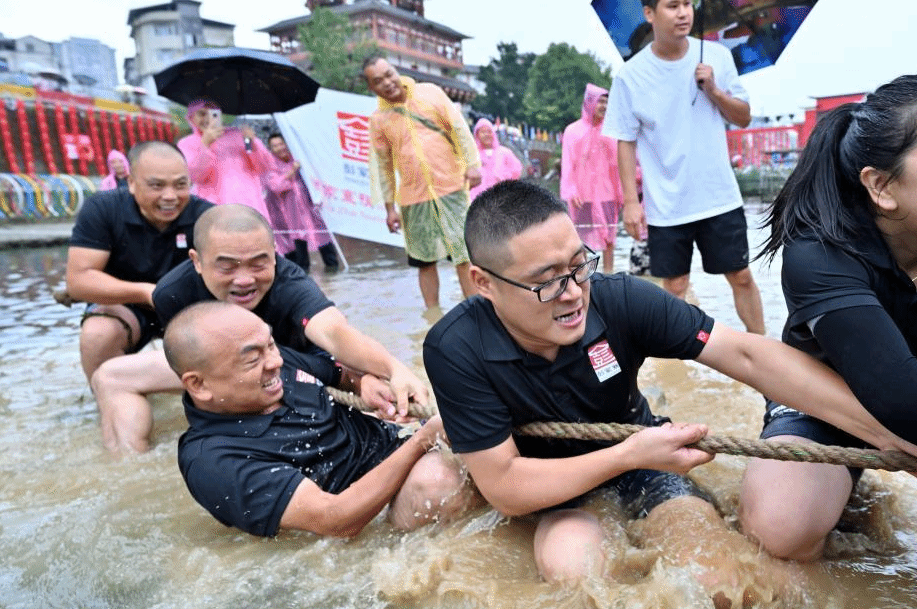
150	327
641	490
419	264
722	241
780	420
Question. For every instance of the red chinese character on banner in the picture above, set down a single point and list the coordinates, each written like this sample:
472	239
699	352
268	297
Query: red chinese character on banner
365	200
349	196
353	131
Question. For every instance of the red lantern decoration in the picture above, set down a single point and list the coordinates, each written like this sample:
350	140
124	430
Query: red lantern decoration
62	137
129	123
26	135
45	135
75	131
7	140
106	137
116	127
96	145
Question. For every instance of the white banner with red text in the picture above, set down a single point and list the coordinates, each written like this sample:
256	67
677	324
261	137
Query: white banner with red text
330	139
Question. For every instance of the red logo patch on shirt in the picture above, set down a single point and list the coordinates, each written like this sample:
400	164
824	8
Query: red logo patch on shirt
304	377
603	361
181	241
703	336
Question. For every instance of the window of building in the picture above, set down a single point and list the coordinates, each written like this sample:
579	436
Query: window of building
165	55
163	29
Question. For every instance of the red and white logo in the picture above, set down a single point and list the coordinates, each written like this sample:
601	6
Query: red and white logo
353	133
181	241
703	336
304	377
603	361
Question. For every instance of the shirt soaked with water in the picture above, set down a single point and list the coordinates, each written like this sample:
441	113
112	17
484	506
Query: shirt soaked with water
244	469
486	384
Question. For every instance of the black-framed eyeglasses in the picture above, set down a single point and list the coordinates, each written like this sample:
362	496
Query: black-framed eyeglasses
552	289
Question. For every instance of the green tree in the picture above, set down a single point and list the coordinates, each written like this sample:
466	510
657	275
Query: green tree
336	50
557	81
505	80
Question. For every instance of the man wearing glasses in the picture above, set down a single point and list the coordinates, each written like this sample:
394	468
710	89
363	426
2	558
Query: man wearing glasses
548	339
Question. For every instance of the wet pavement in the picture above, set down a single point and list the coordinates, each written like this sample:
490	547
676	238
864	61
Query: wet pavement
34	234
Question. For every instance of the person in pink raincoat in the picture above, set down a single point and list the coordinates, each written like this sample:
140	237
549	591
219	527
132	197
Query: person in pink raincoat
225	165
298	225
589	181
498	162
118	170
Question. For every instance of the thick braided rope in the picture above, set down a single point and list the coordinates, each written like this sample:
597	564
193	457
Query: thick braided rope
889	460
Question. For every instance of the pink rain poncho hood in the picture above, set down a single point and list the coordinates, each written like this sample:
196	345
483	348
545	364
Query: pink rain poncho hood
589	162
498	162
194	107
110	182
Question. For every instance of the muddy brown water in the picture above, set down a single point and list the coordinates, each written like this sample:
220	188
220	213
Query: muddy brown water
79	528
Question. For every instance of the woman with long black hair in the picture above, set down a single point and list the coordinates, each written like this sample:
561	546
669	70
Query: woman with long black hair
846	220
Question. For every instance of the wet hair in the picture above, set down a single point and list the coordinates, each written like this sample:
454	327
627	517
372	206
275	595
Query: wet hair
183	344
370	61
229	218
500	213
824	197
138	150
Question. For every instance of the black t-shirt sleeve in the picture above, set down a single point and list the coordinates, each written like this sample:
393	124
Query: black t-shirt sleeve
95	221
175	291
241	489
819	277
474	416
867	349
297	294
657	323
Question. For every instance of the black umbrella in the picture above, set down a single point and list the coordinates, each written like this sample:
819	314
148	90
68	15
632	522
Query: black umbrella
240	81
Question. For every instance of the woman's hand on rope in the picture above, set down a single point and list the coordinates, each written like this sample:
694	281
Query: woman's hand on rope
666	447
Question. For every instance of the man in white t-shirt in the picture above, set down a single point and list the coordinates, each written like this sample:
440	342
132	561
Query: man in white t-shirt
672	108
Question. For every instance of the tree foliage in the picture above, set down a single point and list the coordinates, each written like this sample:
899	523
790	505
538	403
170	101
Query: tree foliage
556	83
505	80
324	37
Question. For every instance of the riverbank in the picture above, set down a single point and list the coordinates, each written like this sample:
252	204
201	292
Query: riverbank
34	234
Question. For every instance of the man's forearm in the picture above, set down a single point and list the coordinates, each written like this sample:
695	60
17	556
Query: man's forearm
627	170
101	288
733	109
347	513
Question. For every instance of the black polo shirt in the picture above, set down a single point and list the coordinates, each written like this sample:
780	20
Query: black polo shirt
819	278
138	251
486	384
244	469
292	300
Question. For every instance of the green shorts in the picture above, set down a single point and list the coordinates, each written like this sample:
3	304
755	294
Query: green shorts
435	229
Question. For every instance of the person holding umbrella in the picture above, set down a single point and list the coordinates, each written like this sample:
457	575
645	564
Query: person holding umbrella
226	165
672	106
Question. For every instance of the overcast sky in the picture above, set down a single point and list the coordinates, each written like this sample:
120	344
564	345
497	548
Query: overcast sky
845	46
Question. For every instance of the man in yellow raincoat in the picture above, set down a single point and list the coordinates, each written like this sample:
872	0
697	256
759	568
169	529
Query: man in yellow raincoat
418	132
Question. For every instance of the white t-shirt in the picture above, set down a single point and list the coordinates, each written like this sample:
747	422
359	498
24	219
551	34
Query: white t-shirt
682	147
